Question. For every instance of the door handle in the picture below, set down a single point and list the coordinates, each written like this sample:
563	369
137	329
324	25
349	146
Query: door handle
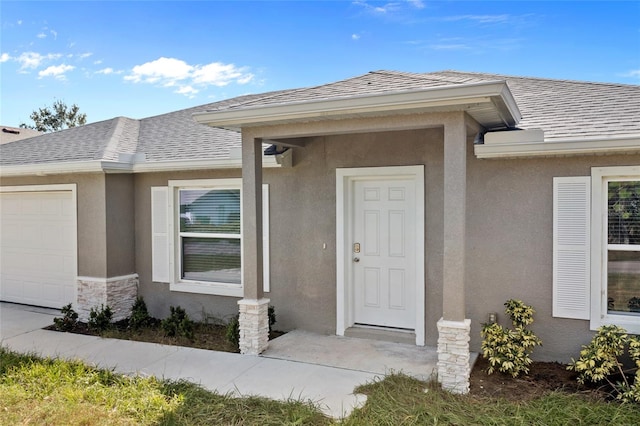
356	259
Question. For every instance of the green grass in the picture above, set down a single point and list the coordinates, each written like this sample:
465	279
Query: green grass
41	391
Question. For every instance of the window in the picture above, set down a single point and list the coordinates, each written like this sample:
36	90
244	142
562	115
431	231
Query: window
596	241
203	232
623	247
209	235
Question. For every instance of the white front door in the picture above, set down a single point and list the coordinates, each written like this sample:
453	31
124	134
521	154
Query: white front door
383	252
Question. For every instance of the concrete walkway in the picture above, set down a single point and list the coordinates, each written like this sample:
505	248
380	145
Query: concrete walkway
282	374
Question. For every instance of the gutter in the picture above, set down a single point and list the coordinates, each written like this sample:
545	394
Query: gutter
560	147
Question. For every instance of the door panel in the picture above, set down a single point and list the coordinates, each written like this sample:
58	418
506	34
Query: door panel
37	248
383	224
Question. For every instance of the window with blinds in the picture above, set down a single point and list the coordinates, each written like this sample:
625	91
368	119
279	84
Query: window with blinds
623	247
210	235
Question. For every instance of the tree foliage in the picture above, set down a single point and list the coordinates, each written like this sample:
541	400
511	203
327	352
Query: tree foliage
58	117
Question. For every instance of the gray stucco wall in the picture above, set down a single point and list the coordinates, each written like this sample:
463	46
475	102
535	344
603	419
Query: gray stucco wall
120	224
510	244
302	220
509	232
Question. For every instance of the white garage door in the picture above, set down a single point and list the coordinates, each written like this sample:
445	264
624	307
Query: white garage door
37	248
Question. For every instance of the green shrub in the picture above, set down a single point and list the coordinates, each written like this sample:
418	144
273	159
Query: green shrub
509	350
178	324
271	312
100	319
600	360
139	315
68	321
232	333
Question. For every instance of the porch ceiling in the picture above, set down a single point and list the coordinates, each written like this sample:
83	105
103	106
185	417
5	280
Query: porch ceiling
491	104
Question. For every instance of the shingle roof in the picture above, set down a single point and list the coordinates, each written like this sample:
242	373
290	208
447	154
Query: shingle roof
563	109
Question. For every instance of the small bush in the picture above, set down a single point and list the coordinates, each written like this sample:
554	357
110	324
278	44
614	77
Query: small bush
271	312
508	350
139	315
178	324
68	321
600	361
100	319
232	334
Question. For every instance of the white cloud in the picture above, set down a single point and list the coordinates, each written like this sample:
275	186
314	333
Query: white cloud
633	74
54	34
449	46
4	57
187	90
355	37
165	70
105	71
19	21
390	7
42	35
56	71
480	19
172	72
85	55
32	60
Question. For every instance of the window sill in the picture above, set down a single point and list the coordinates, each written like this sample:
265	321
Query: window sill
631	323
200	287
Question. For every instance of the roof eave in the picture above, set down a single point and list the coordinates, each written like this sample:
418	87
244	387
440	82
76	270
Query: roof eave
624	144
45	169
495	94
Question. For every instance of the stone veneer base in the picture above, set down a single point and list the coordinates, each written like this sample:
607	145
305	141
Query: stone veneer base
453	355
254	326
119	293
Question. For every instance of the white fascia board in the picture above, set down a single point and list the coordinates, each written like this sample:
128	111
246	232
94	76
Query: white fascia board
561	147
268	161
118	167
496	93
63	168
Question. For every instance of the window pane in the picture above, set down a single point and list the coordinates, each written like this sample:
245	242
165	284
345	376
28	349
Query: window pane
211	211
211	259
623	281
624	212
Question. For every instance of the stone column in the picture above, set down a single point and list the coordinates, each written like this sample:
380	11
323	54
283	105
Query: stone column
453	328
253	322
453	355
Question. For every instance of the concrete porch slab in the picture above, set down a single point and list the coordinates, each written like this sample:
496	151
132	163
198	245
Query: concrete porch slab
371	356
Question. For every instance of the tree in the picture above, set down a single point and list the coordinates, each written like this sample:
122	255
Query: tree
57	118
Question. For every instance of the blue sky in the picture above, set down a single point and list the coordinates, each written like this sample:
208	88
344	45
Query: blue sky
139	59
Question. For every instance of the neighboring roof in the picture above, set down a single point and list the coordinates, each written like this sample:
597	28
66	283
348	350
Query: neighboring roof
564	110
11	134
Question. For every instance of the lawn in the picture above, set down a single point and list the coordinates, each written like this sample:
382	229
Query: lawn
40	391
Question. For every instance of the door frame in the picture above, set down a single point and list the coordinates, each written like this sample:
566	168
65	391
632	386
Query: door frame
344	211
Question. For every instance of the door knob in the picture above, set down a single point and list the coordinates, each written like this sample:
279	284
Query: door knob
356	259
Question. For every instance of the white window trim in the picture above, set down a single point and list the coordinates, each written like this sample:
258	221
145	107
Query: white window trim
599	207
202	287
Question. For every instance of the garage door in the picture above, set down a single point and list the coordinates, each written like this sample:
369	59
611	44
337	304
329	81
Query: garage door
37	248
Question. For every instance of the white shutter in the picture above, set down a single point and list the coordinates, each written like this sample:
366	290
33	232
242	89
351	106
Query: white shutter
160	234
571	247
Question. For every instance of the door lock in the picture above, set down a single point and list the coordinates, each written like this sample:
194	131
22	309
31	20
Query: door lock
356	259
